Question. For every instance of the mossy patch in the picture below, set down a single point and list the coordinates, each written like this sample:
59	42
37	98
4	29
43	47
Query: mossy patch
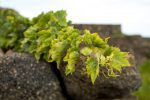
144	90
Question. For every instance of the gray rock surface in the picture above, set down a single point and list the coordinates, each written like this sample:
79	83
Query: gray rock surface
23	78
80	87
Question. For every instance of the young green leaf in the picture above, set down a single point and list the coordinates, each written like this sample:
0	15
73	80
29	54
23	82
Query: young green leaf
57	50
119	59
92	68
86	51
71	57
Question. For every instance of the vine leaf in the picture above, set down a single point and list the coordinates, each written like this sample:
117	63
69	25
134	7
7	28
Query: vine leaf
71	57
57	50
119	59
86	51
92	68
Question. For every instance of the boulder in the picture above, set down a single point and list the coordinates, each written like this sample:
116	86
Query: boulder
80	87
23	78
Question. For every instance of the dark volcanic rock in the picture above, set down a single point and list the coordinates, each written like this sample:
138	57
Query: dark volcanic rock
23	78
80	87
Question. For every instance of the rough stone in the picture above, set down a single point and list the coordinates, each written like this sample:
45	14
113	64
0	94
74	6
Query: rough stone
103	30
79	86
1	53
9	52
23	78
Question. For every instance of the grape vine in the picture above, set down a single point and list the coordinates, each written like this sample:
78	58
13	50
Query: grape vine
51	37
12	26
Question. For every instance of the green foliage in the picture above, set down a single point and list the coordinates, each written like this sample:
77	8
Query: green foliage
100	54
144	90
52	38
12	26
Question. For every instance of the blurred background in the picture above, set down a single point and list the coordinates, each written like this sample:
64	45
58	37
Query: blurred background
133	15
126	21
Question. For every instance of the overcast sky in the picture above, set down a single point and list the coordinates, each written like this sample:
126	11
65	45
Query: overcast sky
133	15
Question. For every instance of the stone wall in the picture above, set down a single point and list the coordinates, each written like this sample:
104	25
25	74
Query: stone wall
106	30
